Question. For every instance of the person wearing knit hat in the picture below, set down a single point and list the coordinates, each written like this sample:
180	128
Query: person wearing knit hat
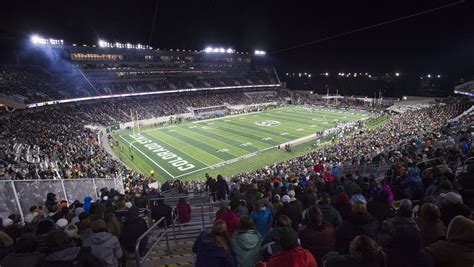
291	194
77	212
61	224
7	222
72	231
451	205
286	199
104	245
292	253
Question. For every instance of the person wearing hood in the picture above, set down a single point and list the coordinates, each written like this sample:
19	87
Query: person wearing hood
247	243
25	253
458	248
213	249
406	248
87	204
380	208
134	226
51	203
451	205
61	253
104	245
360	222
431	227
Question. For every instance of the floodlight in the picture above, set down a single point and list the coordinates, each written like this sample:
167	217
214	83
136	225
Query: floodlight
221	50
229	50
215	50
439	76
102	43
397	74
208	49
327	74
309	75
429	75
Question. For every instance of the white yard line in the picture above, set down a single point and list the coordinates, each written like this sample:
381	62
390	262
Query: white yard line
147	157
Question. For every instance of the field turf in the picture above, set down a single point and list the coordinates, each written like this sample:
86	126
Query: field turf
227	145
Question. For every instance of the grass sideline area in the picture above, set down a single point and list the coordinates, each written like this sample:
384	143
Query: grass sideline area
228	145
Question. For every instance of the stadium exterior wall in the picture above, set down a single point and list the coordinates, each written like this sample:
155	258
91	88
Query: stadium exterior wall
19	195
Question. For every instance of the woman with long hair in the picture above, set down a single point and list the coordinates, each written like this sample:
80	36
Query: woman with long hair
213	248
246	243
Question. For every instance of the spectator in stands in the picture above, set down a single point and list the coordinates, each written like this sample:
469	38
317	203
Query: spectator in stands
310	198
105	246
230	217
292	254
6	244
379	207
72	231
360	222
113	225
343	205
222	188
62	253
25	253
271	244
213	249
363	252
51	203
183	211
262	217
134	226
406	248
318	237
431	227
451	205
458	248
42	230
330	214
246	243
161	209
290	209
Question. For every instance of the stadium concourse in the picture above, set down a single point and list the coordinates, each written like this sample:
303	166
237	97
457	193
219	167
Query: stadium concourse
398	194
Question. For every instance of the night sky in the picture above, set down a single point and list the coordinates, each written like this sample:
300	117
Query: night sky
438	42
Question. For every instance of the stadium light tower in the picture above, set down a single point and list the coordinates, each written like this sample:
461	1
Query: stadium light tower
102	43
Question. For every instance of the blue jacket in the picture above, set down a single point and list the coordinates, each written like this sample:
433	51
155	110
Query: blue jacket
210	255
263	220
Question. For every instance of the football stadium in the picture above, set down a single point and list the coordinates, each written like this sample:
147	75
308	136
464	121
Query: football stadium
174	134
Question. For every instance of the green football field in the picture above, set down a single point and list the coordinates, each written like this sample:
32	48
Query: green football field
227	145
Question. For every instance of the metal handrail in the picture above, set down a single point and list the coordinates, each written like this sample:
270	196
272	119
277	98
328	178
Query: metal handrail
137	243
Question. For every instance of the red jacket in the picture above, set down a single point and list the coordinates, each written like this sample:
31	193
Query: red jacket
297	257
230	218
184	212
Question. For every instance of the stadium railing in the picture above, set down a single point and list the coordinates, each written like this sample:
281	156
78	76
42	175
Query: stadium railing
19	195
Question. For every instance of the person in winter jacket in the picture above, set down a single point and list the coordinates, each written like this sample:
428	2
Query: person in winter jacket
310	198
330	214
431	227
343	205
230	217
184	211
213	249
161	209
270	245
222	188
87	204
134	227
458	248
451	205
318	237
359	223
406	248
246	243
62	254
262	217
51	203
380	208
104	245
292	254
291	210
364	252
25	253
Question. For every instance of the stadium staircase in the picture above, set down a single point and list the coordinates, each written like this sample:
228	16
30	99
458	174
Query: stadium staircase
172	246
